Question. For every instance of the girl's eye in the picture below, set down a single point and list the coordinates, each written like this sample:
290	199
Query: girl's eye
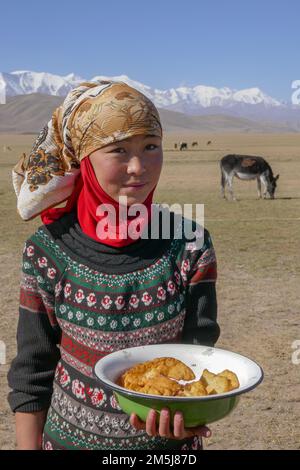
152	145
117	150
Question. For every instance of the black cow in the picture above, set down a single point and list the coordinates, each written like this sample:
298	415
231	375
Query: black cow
247	167
183	145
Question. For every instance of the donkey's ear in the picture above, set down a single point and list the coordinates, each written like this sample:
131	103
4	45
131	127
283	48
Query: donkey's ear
276	177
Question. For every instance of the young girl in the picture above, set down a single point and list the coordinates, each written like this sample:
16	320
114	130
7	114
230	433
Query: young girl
85	293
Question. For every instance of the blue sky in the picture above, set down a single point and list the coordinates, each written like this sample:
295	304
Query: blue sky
161	43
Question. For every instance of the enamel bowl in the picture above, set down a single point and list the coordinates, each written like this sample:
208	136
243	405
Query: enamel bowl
197	411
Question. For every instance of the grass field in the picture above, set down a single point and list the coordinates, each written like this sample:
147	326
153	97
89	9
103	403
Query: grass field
258	250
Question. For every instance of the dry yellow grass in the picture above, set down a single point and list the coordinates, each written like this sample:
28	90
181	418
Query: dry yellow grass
257	244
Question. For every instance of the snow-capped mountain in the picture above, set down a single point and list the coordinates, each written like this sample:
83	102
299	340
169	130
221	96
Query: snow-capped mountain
198	100
24	82
200	95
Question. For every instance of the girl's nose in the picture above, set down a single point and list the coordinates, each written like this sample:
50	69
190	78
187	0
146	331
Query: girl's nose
136	165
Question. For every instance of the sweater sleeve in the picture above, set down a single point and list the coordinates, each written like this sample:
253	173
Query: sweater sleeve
32	371
199	267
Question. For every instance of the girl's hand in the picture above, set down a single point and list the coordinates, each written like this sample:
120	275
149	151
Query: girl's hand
179	432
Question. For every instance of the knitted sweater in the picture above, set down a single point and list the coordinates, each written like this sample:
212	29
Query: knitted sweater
81	300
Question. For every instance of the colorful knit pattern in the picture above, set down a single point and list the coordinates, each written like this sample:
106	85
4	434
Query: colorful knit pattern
98	314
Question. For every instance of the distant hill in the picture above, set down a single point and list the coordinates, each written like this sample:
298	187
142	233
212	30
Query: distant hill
214	123
24	114
199	100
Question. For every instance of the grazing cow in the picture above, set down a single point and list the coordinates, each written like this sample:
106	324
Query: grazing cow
183	145
208	142
247	167
195	144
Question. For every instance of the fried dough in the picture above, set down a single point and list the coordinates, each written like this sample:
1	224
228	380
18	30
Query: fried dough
155	377
151	382
168	366
231	376
214	383
194	389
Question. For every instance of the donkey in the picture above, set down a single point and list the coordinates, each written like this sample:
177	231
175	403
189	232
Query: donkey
247	167
183	145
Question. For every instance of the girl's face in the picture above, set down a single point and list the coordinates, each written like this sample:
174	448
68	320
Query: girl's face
121	165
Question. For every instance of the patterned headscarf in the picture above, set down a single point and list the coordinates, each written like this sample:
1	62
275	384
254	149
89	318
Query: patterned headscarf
92	115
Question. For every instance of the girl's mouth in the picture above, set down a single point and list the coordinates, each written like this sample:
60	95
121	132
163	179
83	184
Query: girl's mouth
135	186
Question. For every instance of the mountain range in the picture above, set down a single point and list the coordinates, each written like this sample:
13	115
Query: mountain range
243	109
